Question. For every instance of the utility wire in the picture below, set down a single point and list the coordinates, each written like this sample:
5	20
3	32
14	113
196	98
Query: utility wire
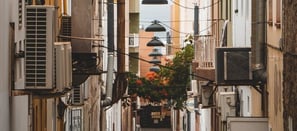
192	7
165	21
185	32
134	57
131	56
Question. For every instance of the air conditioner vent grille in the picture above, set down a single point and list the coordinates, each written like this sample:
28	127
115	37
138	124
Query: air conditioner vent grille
77	95
38	52
66	27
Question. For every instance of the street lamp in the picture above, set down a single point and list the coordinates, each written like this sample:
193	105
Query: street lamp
155	68
155	60
155	27
154	2
155	42
155	53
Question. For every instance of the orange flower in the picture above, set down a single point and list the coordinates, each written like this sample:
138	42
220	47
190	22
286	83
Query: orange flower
138	82
151	75
164	82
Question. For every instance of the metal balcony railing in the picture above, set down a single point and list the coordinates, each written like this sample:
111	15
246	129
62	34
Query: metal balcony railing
205	52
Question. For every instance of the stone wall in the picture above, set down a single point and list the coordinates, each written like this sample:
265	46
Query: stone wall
290	62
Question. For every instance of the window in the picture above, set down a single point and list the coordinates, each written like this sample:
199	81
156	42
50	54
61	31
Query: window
76	120
278	14
131	40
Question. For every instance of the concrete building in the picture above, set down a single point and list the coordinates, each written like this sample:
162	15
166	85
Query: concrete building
275	65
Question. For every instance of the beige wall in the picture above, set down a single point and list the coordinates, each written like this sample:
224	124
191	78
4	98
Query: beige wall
175	16
274	73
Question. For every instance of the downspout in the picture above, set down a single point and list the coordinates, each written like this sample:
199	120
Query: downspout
259	40
258	50
110	59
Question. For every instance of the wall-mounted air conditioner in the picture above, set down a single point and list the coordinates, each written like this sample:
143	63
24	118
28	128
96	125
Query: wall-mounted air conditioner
233	66
226	104
63	65
48	65
39	60
133	40
65	29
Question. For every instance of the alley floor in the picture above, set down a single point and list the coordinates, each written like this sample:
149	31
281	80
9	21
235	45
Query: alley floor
155	129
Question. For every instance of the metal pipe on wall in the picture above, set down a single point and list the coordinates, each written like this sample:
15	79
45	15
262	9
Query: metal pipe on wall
259	40
110	39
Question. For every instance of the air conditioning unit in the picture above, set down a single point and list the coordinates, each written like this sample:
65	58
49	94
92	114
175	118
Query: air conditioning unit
63	65
39	60
133	40
226	104
233	66
77	95
48	65
65	27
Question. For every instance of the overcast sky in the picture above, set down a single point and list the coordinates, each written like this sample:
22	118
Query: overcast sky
149	13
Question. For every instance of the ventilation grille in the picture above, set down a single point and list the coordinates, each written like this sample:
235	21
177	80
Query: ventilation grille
66	27
77	96
20	13
38	47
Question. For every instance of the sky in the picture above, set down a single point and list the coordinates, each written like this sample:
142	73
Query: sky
149	13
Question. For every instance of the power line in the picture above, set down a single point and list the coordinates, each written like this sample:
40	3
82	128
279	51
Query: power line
135	57
166	21
192	7
185	32
131	56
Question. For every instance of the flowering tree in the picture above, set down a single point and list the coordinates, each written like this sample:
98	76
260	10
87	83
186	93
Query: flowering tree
170	83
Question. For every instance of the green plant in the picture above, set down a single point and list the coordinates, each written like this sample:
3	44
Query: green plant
170	83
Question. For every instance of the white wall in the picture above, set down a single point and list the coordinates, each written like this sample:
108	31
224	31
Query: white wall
186	18
20	113
245	100
19	41
4	81
204	16
205	120
241	23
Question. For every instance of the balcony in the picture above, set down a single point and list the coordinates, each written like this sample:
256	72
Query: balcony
204	62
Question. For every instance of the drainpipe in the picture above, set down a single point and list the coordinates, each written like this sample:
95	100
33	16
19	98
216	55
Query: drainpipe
258	49
110	64
259	40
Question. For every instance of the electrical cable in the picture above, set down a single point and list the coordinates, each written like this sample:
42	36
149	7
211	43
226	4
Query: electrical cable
131	56
185	32
135	57
165	21
192	7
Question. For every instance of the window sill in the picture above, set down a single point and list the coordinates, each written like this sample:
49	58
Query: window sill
277	25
